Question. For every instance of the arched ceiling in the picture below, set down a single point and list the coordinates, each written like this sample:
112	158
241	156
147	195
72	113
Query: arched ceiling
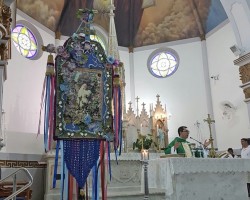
138	22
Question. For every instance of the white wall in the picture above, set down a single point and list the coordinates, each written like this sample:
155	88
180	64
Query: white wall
24	143
183	92
220	59
21	100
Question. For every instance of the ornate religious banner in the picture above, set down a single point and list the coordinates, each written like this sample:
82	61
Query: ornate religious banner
83	92
83	108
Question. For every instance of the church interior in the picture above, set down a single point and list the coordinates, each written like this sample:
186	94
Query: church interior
184	63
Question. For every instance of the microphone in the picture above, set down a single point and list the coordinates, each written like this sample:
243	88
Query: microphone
196	141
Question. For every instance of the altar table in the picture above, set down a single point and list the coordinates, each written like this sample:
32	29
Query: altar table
200	178
126	175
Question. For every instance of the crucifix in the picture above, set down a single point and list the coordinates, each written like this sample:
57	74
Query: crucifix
143	106
212	153
158	97
130	103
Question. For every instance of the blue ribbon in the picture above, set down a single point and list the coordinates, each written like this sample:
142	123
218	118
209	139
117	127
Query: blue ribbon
56	163
46	117
62	170
94	170
66	182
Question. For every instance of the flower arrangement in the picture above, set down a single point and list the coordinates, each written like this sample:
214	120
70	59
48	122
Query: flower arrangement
113	61
143	140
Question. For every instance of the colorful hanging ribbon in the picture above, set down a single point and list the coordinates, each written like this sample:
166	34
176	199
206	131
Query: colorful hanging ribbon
48	95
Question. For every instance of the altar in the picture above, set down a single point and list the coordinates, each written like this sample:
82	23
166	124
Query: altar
126	176
199	178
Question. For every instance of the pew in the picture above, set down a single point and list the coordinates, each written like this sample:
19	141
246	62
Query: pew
6	189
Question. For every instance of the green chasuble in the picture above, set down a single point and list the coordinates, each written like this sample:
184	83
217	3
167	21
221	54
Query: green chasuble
183	147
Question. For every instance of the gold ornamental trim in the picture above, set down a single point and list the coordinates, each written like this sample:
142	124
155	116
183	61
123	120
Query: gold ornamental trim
245	73
20	163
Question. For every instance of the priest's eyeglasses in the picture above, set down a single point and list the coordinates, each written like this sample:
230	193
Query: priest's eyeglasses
186	131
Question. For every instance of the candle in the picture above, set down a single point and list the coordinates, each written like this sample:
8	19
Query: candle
144	154
141	129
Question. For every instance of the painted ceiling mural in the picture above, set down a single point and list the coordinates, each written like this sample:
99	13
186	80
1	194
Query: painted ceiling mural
138	22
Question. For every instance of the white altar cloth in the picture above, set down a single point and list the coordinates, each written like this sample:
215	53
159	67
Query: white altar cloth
199	178
134	156
126	175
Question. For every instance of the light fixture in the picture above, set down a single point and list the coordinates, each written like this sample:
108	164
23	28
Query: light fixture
215	77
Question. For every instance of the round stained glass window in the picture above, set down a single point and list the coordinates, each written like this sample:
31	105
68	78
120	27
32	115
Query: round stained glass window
25	41
163	62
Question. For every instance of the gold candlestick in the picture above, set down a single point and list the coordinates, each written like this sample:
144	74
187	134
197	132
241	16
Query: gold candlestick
212	153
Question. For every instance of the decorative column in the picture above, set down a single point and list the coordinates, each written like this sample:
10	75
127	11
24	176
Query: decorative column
114	52
5	51
244	69
131	76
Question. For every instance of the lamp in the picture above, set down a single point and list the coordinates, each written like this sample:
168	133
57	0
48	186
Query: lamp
144	159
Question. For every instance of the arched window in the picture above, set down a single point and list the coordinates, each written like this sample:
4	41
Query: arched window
98	39
100	36
163	62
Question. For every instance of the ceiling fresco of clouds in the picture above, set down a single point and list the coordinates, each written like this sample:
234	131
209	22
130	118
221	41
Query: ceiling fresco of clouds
138	23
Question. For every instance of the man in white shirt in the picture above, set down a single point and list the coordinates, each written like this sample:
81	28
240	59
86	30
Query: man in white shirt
245	151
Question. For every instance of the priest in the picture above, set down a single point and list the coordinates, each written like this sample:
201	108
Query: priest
179	145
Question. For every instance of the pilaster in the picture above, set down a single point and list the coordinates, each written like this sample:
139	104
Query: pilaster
6	19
